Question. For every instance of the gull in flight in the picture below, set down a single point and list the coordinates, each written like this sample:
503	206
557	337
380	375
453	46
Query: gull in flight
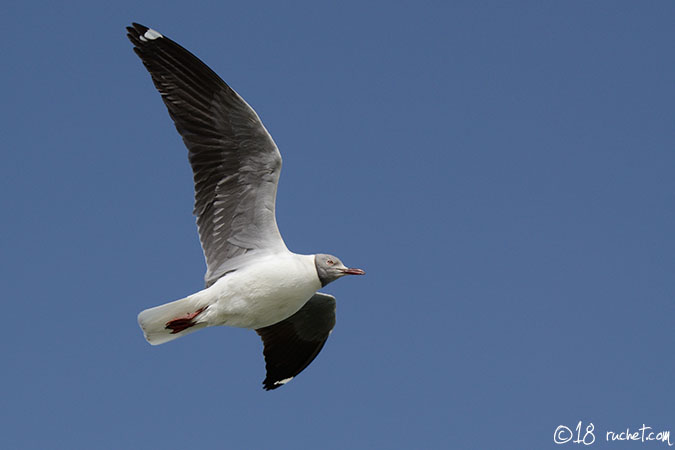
252	279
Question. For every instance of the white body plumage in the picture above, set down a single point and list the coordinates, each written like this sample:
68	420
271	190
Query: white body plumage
263	293
267	292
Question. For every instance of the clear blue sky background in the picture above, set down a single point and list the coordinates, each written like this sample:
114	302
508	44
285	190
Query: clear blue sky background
503	171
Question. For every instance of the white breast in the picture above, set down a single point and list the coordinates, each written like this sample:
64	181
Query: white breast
261	294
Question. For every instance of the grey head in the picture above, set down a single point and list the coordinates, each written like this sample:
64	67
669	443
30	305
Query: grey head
330	268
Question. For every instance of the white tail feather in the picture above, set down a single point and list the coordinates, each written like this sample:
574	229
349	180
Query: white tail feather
153	320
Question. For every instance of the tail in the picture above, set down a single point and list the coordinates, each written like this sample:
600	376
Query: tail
167	322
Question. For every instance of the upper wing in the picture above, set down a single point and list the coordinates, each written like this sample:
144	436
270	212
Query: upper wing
292	344
235	162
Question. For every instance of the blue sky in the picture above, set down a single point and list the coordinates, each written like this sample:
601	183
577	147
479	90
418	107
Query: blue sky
503	171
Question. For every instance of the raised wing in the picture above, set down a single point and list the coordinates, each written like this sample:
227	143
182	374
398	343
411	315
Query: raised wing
292	344
235	162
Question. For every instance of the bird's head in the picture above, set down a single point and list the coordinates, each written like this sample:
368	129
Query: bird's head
330	268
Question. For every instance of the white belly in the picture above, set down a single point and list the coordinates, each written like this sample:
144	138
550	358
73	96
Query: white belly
261	294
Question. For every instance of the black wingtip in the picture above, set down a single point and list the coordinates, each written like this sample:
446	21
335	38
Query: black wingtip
136	30
134	33
270	385
138	27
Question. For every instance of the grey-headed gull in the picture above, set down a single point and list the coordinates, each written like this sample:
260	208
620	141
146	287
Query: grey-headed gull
252	279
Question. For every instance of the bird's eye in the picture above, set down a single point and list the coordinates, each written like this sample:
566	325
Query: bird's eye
330	262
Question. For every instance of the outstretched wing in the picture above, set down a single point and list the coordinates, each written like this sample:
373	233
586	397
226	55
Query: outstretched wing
292	344
235	162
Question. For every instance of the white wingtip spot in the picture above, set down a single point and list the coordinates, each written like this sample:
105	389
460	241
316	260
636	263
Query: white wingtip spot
284	381
151	35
